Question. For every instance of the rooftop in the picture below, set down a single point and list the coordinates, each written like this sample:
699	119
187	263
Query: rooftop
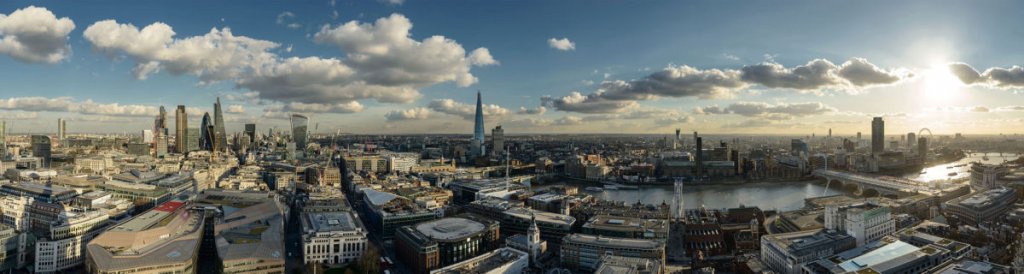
485	263
330	221
613	241
448	229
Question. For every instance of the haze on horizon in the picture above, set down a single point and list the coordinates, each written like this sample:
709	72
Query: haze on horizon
399	67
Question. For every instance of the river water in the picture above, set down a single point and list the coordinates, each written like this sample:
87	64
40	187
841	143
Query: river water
776	195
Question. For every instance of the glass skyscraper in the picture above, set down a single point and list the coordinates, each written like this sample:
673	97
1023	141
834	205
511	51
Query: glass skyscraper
300	125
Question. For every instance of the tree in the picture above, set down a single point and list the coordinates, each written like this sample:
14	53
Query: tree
369	262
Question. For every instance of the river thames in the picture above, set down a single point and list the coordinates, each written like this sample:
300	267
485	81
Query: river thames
777	195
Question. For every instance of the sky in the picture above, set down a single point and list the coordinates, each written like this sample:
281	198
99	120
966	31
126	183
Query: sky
398	67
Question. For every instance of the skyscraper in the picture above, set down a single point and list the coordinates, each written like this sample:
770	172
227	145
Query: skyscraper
699	155
181	130
478	129
911	140
922	148
250	129
3	139
206	131
497	140
219	134
300	126
877	135
61	129
193	134
41	148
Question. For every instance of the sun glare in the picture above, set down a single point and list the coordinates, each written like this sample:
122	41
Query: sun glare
941	87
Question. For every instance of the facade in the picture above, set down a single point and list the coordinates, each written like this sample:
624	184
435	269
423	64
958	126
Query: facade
300	130
986	176
981	206
220	135
497	141
41	148
583	253
207	134
500	261
181	140
250	130
14	247
430	245
62	127
248	230
332	237
477	145
387	212
866	221
162	240
877	135
785	253
64	246
193	134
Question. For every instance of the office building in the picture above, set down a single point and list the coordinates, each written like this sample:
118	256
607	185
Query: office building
250	130
911	141
866	221
64	246
386	212
627	227
981	206
181	140
922	148
891	256
430	245
334	237
193	136
3	139
14	246
162	240
785	253
498	141
477	145
583	253
61	129
248	229
500	261
207	132
300	130
986	176
221	137
41	148
877	135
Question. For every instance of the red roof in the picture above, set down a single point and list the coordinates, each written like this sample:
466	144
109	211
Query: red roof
170	206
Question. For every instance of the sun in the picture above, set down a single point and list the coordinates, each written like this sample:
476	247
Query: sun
940	86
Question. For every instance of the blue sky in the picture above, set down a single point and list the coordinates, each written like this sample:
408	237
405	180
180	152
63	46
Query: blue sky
910	41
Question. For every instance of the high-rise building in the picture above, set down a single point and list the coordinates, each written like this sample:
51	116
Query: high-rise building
877	135
61	129
193	134
207	135
699	155
3	139
300	128
479	148
250	129
497	140
181	141
41	148
218	128
922	148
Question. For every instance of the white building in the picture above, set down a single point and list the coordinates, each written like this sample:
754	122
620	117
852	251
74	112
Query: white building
65	246
15	211
865	221
985	177
332	237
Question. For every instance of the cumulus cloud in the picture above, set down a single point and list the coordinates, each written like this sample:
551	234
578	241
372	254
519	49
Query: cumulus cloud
467	111
860	72
1012	77
534	111
382	62
236	109
674	120
815	74
35	35
979	109
419	113
68	104
593	103
348	107
561	44
392	2
217	55
780	111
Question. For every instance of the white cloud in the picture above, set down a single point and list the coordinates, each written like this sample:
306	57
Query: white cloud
1012	77
68	104
561	44
236	109
592	103
35	35
348	107
418	113
392	2
780	111
467	111
382	62
535	111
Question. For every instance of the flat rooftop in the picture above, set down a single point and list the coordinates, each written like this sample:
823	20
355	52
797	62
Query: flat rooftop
882	254
613	241
331	221
485	263
448	229
542	216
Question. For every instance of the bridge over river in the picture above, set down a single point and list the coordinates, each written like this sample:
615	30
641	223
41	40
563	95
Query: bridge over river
883	185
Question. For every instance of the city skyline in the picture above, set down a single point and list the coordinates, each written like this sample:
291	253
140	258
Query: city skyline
619	67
